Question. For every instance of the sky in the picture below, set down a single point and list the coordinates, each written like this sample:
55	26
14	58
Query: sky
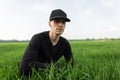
21	19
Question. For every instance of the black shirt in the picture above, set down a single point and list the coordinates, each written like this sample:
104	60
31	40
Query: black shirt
40	51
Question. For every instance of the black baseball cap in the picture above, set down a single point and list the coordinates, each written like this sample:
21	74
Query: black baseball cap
59	14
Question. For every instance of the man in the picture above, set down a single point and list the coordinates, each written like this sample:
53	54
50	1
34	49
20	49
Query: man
47	47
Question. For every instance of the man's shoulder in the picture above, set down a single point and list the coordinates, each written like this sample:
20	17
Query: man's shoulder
39	36
41	33
64	40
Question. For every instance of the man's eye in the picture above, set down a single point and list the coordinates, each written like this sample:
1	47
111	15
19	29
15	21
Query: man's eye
63	22
57	21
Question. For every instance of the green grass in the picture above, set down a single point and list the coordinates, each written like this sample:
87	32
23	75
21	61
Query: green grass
94	60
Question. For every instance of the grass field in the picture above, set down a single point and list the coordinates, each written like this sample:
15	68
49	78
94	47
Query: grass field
94	60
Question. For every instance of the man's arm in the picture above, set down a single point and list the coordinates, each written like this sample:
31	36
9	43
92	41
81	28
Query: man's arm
31	57
68	55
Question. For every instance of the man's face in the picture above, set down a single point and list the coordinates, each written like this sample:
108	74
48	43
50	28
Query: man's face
57	26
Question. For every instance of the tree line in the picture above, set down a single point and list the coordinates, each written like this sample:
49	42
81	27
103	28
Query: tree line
87	39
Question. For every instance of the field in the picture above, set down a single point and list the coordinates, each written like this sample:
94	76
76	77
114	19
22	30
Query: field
94	60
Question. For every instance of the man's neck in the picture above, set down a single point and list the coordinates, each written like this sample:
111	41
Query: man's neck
54	38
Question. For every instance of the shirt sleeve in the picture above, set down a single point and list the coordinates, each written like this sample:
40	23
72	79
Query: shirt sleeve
31	56
68	54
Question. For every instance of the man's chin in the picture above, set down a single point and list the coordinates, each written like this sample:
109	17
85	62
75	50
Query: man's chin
59	33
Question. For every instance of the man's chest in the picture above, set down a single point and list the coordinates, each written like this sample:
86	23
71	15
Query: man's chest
52	52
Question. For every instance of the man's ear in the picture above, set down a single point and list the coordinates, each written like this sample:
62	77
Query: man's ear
49	23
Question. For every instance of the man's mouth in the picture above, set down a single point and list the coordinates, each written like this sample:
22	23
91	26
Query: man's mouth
59	29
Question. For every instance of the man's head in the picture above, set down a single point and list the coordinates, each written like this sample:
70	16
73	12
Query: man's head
58	19
59	14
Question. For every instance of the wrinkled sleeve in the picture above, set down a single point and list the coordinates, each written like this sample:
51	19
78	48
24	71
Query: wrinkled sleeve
31	56
68	55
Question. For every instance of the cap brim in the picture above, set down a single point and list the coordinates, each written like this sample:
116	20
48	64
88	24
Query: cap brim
66	19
